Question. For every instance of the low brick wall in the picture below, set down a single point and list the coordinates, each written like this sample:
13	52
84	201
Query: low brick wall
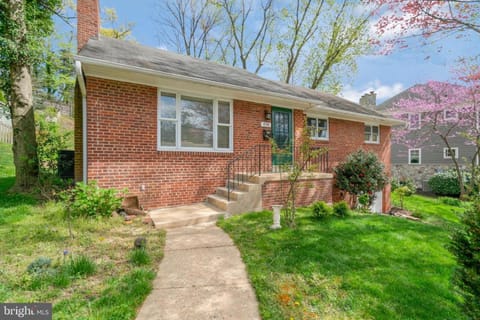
310	190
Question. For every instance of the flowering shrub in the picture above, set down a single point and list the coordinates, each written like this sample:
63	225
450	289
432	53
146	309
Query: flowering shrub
361	173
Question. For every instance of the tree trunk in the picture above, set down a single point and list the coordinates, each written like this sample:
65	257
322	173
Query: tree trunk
21	106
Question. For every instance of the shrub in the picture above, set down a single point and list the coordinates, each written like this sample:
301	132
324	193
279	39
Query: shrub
321	210
88	200
361	173
39	266
404	183
446	183
139	257
451	201
50	140
465	245
81	266
364	201
341	209
403	192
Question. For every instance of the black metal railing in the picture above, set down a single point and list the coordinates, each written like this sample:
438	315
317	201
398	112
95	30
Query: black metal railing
258	160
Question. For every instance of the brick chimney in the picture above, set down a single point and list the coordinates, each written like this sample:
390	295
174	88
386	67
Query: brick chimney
88	21
369	100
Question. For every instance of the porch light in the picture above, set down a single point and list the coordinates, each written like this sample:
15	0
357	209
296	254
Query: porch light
268	115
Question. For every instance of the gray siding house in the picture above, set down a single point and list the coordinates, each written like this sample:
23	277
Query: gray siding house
419	162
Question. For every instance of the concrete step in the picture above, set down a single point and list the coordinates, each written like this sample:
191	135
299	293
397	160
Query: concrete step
182	216
219	201
243	186
235	195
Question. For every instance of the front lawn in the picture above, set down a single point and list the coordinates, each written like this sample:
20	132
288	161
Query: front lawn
359	267
30	230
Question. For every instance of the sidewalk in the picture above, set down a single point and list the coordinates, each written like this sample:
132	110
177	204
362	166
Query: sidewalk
201	277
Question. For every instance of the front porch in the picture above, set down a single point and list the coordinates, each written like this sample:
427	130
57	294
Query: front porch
258	178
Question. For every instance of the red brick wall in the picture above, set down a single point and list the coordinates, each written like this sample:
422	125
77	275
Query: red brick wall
122	146
309	191
88	24
346	137
77	114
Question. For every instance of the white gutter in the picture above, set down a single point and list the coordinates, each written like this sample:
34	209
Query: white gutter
319	104
83	90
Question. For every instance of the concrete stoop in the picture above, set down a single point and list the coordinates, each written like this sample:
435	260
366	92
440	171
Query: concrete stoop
245	197
182	216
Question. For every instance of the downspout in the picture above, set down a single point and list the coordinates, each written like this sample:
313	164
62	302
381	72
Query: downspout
83	90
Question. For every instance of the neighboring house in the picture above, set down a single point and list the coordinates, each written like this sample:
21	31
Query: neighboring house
173	129
420	162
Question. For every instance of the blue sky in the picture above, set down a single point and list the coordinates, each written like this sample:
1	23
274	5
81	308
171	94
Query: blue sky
386	75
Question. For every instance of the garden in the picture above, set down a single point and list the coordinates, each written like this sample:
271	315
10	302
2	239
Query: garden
337	263
87	266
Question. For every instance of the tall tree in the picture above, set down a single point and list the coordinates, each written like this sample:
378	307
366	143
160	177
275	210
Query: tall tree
115	30
342	38
301	21
189	26
438	109
400	19
23	27
248	37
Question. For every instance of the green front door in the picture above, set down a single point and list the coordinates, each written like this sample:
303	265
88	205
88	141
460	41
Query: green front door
282	135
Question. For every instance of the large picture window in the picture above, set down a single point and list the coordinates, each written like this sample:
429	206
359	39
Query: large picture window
192	123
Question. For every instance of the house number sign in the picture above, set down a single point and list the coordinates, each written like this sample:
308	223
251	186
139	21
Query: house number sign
266	124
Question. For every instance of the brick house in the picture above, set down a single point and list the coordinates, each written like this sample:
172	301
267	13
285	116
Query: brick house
172	129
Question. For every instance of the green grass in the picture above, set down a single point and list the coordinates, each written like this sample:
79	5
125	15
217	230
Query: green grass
358	267
431	210
94	279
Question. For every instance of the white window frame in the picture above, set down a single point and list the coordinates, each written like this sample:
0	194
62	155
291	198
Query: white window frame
410	121
178	121
419	156
446	156
371	125
317	117
450	118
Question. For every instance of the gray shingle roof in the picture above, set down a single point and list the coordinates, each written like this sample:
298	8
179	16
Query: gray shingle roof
136	55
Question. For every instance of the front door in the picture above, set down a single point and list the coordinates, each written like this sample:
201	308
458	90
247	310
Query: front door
282	135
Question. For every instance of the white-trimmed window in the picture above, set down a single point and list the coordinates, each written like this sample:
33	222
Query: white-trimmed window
414	156
372	133
414	121
450	115
318	128
450	153
192	123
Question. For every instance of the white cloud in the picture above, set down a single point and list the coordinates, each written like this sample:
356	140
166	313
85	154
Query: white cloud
383	91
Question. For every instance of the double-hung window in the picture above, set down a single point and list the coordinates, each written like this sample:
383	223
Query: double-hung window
450	115
372	133
187	122
318	128
414	121
414	156
450	153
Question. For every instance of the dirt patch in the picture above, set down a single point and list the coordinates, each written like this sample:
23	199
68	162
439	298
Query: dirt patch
403	213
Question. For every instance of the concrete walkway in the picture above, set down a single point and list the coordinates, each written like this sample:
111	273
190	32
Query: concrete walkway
200	277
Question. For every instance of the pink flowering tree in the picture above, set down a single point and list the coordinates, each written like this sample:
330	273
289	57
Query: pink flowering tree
443	110
399	20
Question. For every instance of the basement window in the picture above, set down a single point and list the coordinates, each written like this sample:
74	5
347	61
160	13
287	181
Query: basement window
192	123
